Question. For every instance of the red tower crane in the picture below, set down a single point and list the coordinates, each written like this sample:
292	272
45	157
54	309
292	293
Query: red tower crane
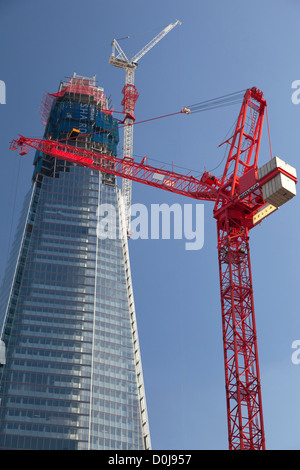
244	196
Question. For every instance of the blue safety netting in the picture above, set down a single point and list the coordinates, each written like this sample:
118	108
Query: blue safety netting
66	115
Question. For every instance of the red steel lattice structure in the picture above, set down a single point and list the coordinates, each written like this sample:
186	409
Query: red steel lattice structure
238	200
242	378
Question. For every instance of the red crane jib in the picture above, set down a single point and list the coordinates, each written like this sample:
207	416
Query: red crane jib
246	201
140	172
238	196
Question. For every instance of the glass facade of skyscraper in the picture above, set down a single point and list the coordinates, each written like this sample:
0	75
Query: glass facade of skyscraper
72	378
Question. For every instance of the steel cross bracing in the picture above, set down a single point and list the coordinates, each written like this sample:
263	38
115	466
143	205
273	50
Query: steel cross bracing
123	167
242	378
243	392
239	201
130	97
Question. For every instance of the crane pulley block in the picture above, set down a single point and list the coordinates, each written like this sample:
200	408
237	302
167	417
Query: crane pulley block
210	179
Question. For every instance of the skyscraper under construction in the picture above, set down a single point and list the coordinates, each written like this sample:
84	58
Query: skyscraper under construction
70	372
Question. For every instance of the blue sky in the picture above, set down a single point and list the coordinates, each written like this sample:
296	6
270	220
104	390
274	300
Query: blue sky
221	47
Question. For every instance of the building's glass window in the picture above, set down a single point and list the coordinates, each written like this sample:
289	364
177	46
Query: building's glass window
69	381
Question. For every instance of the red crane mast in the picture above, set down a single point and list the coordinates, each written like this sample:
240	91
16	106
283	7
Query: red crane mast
242	199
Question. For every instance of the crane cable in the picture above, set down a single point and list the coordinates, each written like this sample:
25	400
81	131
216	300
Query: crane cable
197	173
225	100
207	105
120	127
269	133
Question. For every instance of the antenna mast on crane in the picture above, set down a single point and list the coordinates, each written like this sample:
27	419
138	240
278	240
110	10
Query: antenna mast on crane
130	97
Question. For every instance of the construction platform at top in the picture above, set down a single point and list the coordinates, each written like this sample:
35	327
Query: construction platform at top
79	114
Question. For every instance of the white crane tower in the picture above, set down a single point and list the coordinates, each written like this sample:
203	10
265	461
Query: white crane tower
130	96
